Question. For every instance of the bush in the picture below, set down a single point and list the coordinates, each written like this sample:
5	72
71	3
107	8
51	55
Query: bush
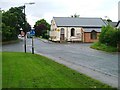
8	33
103	47
109	36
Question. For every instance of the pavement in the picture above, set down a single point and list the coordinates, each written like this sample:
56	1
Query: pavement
78	56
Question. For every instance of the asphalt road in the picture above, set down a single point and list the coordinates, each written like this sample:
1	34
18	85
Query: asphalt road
78	56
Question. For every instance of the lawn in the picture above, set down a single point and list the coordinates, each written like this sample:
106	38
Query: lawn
20	70
0	70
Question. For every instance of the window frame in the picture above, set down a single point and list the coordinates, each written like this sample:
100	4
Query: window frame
72	32
93	34
62	31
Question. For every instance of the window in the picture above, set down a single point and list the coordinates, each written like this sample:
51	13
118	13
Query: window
72	32
93	34
62	30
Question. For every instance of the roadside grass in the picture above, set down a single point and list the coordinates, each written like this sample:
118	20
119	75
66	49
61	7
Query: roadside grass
103	47
10	42
0	71
25	70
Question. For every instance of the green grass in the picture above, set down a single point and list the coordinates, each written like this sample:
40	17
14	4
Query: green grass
103	47
0	70
10	42
22	70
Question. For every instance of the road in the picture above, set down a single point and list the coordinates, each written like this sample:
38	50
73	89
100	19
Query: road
78	56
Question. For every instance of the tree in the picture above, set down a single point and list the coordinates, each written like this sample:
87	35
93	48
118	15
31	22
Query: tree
8	33
75	16
109	20
13	20
41	27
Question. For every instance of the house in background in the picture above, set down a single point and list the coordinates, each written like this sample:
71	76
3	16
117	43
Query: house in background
113	24
118	24
75	29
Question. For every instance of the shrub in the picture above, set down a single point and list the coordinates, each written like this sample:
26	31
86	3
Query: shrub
109	36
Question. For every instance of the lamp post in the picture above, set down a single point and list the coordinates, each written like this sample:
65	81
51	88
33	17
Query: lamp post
32	33
25	25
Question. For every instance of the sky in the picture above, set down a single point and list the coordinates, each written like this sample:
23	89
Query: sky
48	9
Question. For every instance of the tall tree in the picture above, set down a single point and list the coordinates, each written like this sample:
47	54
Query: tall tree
13	20
41	27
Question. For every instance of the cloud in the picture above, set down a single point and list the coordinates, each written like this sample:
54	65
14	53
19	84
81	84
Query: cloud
65	8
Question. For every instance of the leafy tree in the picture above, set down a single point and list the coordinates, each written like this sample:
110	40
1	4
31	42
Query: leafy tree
7	33
13	20
109	20
75	15
41	27
42	21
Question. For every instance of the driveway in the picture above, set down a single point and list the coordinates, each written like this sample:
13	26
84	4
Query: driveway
78	56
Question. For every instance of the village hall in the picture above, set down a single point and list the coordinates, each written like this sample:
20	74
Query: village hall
75	29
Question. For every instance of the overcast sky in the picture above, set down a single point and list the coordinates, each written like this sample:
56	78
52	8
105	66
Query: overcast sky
48	9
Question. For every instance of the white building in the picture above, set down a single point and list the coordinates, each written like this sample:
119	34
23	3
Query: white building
75	29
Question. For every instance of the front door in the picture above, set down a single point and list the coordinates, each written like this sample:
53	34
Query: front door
62	37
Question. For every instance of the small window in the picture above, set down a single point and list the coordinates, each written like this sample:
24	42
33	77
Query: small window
62	30
72	32
93	34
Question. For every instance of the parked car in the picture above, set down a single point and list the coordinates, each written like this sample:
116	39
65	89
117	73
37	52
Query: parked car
20	36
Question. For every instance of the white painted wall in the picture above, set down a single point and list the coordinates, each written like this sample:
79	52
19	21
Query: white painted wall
67	34
55	33
77	36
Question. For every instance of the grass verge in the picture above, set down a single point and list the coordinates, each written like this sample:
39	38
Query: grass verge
0	71
103	47
22	70
10	42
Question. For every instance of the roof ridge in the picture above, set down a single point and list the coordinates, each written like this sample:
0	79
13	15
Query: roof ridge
82	21
81	17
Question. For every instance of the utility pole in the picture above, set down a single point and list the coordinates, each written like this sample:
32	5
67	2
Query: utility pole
32	45
25	31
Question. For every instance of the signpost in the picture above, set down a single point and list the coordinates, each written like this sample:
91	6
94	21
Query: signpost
32	33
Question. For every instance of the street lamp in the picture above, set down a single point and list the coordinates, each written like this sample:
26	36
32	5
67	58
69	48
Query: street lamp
25	25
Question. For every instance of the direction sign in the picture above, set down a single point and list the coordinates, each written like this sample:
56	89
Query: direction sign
32	32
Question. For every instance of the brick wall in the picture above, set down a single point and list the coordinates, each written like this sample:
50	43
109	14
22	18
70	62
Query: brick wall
87	37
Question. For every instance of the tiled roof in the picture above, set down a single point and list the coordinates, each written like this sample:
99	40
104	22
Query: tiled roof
91	29
81	22
111	23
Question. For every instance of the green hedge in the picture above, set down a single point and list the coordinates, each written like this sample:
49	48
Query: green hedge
104	47
109	36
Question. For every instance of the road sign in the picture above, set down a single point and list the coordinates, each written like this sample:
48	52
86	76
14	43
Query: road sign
32	32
